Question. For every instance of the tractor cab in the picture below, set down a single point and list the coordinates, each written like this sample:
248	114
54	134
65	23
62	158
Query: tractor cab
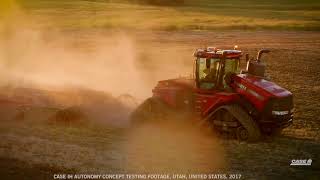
214	66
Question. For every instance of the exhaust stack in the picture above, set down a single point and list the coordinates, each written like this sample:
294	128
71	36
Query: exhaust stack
261	52
256	67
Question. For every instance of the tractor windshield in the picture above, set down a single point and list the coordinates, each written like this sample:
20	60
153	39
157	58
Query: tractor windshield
207	72
231	66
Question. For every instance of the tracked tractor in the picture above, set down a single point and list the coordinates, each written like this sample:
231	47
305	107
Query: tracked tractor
244	103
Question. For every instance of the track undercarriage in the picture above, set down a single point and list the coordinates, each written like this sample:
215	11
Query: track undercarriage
230	120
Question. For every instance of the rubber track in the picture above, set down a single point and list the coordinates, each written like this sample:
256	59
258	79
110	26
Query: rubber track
244	118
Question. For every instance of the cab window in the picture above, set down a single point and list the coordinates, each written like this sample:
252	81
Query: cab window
208	72
231	66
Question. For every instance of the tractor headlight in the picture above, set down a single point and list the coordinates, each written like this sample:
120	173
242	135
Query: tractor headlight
280	113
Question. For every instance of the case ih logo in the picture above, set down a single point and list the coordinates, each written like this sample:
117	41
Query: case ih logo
301	162
252	92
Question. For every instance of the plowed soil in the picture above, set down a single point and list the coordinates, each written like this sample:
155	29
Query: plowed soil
35	149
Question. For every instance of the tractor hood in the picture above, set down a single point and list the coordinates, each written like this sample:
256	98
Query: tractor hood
261	92
263	86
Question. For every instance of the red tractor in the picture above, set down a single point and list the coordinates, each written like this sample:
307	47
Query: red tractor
242	103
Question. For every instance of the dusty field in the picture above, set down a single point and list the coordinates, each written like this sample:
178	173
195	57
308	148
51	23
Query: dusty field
33	149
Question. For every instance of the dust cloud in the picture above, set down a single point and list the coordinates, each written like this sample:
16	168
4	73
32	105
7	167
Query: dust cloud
30	55
100	71
173	147
27	57
92	68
